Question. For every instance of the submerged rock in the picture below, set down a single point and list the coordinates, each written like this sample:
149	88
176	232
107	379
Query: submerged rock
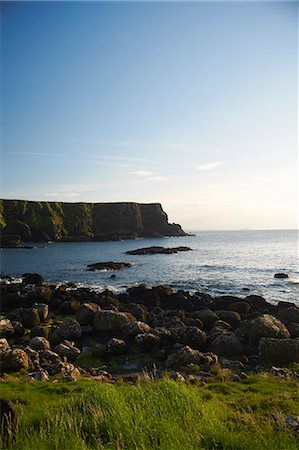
155	250
108	266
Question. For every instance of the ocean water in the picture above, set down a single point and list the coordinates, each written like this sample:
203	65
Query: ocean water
221	262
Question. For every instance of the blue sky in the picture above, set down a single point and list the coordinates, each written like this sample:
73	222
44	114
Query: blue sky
193	105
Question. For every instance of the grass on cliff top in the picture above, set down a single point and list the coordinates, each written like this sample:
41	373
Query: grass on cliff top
163	414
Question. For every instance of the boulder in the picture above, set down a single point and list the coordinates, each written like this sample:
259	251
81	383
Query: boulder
86	312
108	266
6	328
288	315
111	320
184	356
293	328
267	326
99	350
69	330
19	329
241	307
30	318
40	330
116	346
132	329
281	275
39	343
207	317
41	375
33	278
190	336
279	350
15	360
4	345
147	340
231	317
67	350
43	310
69	372
226	344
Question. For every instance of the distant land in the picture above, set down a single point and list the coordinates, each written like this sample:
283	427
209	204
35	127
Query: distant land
32	221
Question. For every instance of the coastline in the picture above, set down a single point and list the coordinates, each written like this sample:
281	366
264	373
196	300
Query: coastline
139	329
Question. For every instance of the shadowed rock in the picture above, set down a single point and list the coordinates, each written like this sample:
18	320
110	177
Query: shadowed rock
154	250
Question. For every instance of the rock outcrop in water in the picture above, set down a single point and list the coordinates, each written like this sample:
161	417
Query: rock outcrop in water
25	221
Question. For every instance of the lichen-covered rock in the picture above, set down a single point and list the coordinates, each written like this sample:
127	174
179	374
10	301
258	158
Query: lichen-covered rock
39	343
85	314
147	340
132	329
190	336
67	350
279	350
4	345
111	320
15	360
69	372
69	330
6	328
184	356
267	326
226	344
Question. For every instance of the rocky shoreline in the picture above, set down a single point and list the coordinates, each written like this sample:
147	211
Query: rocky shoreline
49	331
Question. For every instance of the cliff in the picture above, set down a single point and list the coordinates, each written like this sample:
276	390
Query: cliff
22	220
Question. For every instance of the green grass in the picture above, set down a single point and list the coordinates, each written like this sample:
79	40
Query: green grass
153	415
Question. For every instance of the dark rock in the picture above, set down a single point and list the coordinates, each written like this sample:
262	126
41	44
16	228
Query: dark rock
207	317
43	310
85	314
108	266
279	350
293	328
19	329
240	307
147	340
30	318
190	336
288	315
154	250
111	320
116	346
40	330
68	307
67	350
39	343
132	329
33	278
281	275
231	317
99	350
68	330
257	302
226	345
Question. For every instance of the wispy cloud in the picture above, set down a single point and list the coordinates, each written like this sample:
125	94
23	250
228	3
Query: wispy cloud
147	175
70	192
143	173
209	166
33	154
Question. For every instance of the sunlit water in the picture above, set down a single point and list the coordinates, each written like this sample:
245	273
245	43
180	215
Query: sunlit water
226	262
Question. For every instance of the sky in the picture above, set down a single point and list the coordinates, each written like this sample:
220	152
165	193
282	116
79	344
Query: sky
192	105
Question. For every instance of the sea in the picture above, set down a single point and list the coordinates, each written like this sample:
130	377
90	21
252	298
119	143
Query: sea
221	263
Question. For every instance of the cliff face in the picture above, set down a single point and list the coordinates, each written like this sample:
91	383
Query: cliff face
39	221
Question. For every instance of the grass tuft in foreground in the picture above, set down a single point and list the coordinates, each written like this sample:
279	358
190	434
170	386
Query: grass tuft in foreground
153	415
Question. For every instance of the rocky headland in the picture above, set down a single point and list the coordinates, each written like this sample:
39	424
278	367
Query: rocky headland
29	221
62	331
